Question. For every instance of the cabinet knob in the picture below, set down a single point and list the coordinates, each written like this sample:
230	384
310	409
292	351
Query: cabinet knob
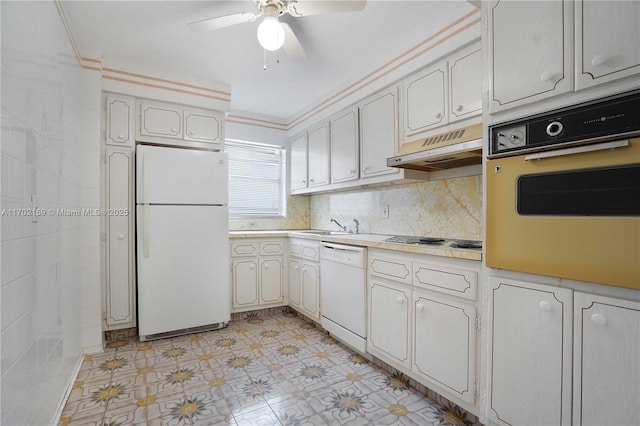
296	267
352	172
121	236
266	266
251	266
304	181
459	108
121	136
546	76
599	60
438	115
545	306
598	319
400	299
311	180
190	133
420	307
173	129
365	169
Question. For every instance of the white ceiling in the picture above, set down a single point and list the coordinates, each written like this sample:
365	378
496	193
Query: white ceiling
341	48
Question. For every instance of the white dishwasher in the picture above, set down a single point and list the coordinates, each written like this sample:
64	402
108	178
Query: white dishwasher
343	293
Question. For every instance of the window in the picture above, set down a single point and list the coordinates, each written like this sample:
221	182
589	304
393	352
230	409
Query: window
256	179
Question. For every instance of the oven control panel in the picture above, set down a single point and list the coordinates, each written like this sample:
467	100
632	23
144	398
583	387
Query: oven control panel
590	122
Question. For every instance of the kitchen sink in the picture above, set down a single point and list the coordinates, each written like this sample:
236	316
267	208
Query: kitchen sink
313	232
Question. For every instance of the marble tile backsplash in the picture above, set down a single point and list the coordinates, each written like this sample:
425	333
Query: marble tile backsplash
448	208
298	217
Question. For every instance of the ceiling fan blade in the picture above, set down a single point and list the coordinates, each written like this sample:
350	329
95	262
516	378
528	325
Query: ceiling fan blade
292	47
223	21
320	7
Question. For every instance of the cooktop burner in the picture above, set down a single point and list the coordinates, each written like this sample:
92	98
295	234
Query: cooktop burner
415	240
403	239
466	244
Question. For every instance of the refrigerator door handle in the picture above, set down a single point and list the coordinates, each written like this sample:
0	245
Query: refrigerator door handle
145	209
145	230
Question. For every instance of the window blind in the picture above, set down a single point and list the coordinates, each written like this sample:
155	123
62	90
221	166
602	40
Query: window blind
256	179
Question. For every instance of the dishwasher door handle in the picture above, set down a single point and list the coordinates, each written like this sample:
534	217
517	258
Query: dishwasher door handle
333	246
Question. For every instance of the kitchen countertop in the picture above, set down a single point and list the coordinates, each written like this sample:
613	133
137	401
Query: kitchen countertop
365	240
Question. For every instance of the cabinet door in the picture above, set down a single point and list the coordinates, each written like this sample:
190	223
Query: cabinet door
310	279
270	280
160	121
465	84
444	343
245	283
606	370
389	322
120	269
298	150
425	95
344	147
530	350
378	132
607	41
531	51
202	126
120	117
295	289
319	155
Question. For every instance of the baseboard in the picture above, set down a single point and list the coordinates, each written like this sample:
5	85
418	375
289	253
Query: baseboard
65	398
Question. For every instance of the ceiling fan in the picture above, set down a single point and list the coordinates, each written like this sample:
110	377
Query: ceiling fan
273	34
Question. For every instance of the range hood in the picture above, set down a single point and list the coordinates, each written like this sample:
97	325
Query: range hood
455	148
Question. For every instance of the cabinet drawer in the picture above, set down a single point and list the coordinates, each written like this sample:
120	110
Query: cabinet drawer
391	268
295	249
271	247
242	248
311	252
457	282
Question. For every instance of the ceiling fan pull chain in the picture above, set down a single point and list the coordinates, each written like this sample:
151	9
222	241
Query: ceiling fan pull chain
278	56
264	67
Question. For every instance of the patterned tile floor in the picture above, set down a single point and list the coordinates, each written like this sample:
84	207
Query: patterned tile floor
257	371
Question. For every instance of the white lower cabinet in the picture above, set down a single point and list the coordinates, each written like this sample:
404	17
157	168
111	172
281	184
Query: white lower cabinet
427	334
444	349
119	303
606	370
530	353
304	277
539	375
257	278
389	321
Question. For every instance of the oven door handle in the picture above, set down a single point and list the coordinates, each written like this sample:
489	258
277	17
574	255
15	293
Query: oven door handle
577	150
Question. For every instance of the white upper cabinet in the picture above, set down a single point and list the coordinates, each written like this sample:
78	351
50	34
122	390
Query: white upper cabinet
319	155
425	97
202	126
465	84
378	132
607	41
176	125
446	92
298	149
344	146
120	116
160	121
530	50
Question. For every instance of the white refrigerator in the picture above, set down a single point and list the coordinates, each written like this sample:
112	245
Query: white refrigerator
182	240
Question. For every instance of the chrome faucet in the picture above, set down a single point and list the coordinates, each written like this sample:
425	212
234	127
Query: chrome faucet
344	228
357	225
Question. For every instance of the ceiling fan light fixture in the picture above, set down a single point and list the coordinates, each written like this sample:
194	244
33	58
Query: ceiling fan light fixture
271	33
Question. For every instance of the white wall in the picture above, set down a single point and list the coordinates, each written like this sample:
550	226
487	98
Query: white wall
50	277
